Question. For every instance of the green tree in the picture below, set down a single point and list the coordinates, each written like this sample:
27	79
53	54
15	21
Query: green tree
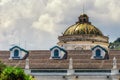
2	66
115	45
12	73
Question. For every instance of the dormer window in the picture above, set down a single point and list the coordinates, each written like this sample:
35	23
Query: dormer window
58	53
18	53
99	52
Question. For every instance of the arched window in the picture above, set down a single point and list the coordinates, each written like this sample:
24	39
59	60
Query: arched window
16	53
98	53
56	53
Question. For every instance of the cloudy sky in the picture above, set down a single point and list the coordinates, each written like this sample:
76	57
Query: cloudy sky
36	24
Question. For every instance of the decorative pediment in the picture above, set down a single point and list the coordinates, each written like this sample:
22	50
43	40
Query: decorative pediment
58	53
99	52
18	53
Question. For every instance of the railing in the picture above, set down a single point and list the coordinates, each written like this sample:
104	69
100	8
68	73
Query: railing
62	72
48	71
92	71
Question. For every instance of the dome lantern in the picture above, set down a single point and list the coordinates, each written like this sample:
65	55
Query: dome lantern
83	19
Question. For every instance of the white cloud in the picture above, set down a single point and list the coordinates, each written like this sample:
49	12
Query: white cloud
114	8
6	23
2	2
52	14
39	22
108	9
46	23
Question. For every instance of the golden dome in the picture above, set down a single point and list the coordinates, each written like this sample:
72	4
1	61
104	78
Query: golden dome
83	26
79	29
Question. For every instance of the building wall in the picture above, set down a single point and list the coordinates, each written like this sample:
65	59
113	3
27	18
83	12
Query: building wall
74	78
82	41
79	45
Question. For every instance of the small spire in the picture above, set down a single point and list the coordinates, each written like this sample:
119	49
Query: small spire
83	8
114	63
27	68
70	71
70	63
27	64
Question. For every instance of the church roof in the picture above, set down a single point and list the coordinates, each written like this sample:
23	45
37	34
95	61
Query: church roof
83	26
39	59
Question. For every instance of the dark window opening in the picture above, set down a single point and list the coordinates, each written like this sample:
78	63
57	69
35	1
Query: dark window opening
63	76
76	76
80	20
98	53
108	77
92	41
16	53
56	53
84	20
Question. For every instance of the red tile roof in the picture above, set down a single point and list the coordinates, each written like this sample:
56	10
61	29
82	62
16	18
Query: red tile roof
40	59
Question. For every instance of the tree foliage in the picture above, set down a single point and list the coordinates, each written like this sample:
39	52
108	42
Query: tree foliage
115	45
117	40
12	73
2	66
